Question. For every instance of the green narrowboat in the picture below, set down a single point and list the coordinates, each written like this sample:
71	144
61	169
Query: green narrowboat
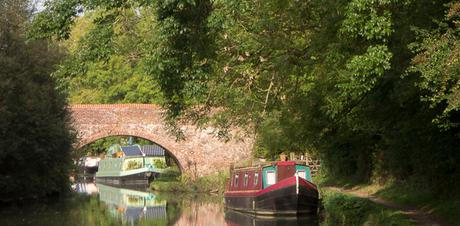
131	165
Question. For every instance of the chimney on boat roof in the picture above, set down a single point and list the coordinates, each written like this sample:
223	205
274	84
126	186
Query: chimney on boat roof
283	157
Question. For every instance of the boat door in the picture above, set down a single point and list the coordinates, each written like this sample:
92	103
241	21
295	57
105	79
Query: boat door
285	170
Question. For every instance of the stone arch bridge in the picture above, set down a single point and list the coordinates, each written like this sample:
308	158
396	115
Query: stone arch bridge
200	153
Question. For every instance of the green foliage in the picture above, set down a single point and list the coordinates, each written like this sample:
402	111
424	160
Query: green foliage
101	146
105	64
170	42
349	210
35	133
343	209
160	164
56	19
438	66
214	183
179	59
369	19
413	193
171	173
271	138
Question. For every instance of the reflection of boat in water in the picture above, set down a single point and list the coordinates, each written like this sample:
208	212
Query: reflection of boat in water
88	165
131	205
237	218
87	188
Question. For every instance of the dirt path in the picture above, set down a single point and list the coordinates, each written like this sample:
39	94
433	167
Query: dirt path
421	217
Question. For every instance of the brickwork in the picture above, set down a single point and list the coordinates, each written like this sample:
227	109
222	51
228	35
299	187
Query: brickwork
200	153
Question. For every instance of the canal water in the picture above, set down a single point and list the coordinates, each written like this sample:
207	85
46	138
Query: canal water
102	205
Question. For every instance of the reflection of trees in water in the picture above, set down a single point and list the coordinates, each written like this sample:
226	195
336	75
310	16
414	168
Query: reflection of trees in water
94	212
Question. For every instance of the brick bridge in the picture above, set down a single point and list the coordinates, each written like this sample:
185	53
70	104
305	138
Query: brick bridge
200	153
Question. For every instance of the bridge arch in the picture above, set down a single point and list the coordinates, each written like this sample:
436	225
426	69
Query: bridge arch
181	163
200	153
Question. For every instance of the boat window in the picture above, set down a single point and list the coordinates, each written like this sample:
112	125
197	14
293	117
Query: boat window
236	180
246	178
271	177
302	174
256	178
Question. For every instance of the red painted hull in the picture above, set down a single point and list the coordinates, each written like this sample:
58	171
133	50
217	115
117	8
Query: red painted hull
286	197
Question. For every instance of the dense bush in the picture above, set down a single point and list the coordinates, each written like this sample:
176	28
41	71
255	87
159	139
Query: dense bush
213	183
35	136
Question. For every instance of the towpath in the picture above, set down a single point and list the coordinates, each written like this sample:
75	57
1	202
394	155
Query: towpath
421	217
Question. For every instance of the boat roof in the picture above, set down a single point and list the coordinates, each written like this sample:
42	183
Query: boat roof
147	150
265	164
132	150
153	150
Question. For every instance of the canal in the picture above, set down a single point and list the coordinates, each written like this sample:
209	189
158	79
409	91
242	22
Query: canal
100	205
105	205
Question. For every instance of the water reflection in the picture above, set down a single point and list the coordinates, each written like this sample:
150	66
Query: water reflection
99	205
131	205
86	188
234	218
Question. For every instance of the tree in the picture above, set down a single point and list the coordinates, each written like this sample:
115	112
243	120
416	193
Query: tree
175	51
35	133
119	77
437	64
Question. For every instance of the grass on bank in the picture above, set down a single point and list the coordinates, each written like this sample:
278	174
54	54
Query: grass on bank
445	206
343	209
172	181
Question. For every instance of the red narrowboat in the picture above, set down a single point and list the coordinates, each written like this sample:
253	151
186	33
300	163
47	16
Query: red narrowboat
277	188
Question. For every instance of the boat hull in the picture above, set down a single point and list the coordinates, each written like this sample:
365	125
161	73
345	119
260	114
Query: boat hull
237	218
137	179
286	198
90	170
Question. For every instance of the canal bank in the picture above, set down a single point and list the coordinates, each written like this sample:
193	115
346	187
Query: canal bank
344	209
418	216
185	183
413	200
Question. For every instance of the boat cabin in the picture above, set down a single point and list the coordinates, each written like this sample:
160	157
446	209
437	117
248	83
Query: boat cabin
255	178
134	157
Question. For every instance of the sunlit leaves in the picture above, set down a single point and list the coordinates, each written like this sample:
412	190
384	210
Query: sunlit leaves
363	71
177	57
370	25
56	20
438	64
